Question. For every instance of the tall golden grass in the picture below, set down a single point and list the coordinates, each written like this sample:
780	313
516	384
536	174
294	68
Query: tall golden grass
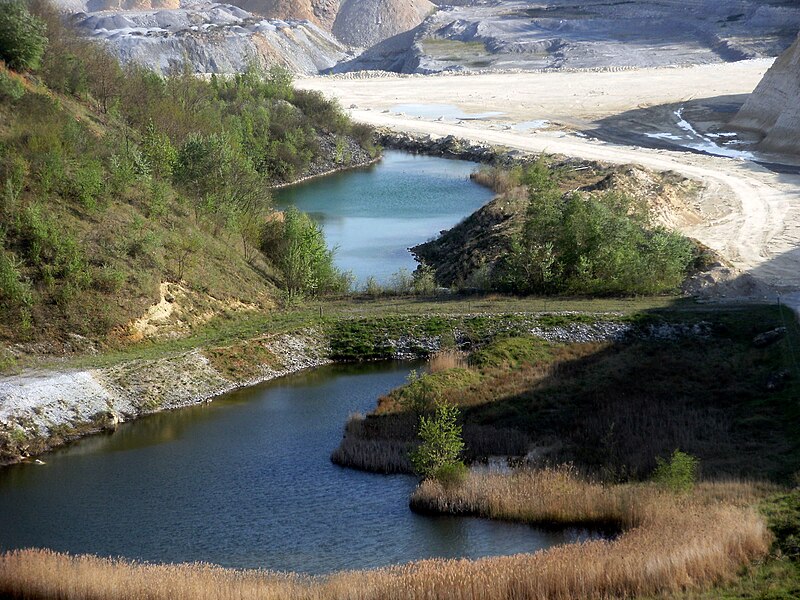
448	359
671	544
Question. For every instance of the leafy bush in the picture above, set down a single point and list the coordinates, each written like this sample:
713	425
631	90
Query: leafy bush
424	281
14	291
296	245
22	36
589	245
401	281
678	474
85	184
442	444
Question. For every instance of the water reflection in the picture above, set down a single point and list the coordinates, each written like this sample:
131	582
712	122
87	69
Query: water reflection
374	215
244	481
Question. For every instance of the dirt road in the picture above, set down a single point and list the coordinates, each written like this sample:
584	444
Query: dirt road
749	214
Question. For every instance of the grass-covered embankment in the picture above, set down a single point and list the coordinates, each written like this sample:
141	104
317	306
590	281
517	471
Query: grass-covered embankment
114	179
684	379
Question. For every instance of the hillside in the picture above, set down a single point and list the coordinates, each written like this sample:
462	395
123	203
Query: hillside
121	189
773	109
209	38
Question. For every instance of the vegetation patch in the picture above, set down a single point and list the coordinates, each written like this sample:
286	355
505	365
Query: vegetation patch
114	180
242	362
616	407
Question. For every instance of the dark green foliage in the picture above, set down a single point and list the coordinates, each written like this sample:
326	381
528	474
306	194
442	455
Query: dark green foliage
589	245
22	36
115	178
783	516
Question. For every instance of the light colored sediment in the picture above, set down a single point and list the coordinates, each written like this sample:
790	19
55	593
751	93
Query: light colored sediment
751	215
363	23
773	109
39	410
558	34
208	37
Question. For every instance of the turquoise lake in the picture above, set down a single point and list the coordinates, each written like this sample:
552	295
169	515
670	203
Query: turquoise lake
373	215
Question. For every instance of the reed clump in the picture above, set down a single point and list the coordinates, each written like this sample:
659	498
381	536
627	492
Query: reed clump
670	543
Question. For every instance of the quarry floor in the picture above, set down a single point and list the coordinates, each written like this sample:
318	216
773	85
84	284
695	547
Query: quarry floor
749	209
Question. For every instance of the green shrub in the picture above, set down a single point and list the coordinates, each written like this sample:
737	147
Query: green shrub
158	151
419	395
22	36
372	287
296	245
401	282
589	245
10	87
85	184
14	291
423	282
442	444
678	474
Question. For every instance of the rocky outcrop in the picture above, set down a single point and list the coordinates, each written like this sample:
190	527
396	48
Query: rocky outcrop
321	12
448	147
773	109
469	35
212	38
363	23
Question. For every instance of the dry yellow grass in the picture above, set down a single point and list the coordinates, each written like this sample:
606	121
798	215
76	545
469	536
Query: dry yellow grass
448	359
670	544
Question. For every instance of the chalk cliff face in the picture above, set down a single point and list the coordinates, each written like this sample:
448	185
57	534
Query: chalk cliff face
212	38
364	23
773	109
321	12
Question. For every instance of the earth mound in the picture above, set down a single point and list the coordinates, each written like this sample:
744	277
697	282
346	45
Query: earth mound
364	23
773	109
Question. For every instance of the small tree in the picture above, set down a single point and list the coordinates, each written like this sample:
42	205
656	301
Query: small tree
22	36
677	474
439	454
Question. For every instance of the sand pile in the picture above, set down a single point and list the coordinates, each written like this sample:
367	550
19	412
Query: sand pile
98	5
322	12
773	109
364	23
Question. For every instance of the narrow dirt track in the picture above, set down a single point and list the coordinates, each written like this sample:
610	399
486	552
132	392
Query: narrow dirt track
750	215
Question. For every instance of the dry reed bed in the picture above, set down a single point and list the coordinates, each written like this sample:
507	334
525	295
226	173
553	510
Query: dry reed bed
671	544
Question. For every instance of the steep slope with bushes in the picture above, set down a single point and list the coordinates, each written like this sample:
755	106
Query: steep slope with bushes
114	180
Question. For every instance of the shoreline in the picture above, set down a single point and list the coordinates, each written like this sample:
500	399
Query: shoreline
746	210
44	411
371	162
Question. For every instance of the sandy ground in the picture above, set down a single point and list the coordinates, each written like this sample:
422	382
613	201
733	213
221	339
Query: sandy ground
751	215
